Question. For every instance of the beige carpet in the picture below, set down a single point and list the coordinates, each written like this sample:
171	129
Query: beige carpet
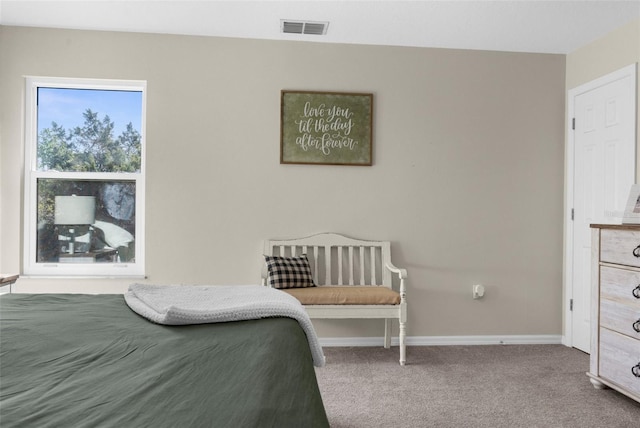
468	386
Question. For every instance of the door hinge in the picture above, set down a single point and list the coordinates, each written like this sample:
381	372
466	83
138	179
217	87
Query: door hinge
572	214
573	123
571	305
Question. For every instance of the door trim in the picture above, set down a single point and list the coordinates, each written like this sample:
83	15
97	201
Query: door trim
567	292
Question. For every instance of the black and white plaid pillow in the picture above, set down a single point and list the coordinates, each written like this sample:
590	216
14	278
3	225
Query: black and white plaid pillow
289	272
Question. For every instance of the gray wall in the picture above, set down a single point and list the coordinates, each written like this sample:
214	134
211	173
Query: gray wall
467	180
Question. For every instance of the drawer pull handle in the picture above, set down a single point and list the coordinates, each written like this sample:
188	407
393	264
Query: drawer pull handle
636	251
636	326
636	292
636	370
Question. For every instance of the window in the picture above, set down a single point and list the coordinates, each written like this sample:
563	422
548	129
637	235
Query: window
84	177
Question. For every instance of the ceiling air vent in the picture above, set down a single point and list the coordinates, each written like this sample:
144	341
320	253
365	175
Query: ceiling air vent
304	27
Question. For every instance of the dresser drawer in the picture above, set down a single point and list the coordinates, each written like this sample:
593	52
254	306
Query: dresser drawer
622	318
620	247
620	285
620	359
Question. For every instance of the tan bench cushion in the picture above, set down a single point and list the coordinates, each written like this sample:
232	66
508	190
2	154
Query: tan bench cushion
350	295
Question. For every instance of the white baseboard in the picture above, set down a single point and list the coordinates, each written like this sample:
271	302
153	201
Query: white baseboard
544	339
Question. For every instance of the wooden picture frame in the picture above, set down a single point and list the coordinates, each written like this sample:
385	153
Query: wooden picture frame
632	210
326	128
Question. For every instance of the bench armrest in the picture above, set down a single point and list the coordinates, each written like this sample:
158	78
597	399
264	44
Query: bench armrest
402	274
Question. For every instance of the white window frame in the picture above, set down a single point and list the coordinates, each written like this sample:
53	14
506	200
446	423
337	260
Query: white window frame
30	265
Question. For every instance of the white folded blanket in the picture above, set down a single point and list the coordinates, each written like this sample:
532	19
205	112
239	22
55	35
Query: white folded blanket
187	304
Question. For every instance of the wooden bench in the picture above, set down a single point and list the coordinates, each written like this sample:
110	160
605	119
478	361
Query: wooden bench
353	279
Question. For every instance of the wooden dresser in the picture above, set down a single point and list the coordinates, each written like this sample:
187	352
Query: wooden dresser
615	308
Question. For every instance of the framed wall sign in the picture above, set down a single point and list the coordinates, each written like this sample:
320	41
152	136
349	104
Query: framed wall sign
326	128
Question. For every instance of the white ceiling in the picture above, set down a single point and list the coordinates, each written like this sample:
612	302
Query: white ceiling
557	26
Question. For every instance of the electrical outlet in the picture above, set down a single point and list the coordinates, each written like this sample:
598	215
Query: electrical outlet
478	291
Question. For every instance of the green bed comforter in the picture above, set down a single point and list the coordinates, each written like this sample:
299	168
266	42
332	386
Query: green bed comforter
89	361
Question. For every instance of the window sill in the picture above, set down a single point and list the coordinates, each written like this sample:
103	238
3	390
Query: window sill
83	277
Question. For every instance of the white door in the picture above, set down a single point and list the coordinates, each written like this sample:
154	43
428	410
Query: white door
603	171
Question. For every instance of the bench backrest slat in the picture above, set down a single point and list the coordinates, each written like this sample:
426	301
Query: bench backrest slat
340	269
362	264
338	260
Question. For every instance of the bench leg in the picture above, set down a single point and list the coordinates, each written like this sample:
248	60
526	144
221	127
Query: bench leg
387	333
403	346
403	333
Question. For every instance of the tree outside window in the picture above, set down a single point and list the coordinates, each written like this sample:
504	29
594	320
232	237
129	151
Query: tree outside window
88	143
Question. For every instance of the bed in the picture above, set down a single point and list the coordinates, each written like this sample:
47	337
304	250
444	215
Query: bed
89	360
